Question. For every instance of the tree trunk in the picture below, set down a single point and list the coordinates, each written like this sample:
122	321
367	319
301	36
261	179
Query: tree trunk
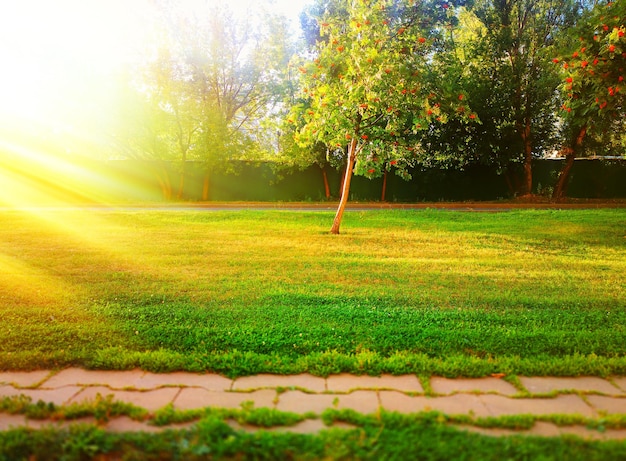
384	192
570	154
205	187
326	186
345	191
163	179
181	185
528	158
561	184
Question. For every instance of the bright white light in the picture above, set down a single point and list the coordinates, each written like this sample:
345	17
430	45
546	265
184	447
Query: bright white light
51	49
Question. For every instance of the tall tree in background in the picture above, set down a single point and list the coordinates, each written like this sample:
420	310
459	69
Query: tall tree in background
593	69
215	78
506	47
364	87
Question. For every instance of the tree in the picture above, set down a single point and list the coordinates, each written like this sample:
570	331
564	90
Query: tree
215	79
593	68
363	87
512	74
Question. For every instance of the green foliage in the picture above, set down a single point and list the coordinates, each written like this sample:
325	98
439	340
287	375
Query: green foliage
389	436
102	409
592	69
367	83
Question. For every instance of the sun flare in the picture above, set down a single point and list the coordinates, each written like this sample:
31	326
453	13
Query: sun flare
66	67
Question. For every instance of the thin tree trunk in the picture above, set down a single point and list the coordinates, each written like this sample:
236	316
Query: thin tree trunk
163	179
181	184
561	184
326	185
528	157
345	191
570	154
384	192
205	187
509	183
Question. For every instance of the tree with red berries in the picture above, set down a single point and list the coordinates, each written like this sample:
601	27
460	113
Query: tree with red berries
593	89
365	88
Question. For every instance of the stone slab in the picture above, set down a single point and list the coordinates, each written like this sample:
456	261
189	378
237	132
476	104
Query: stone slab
300	402
126	424
539	429
78	376
264	381
149	400
345	383
482	385
57	396
585	433
620	381
542	385
610	405
365	402
12	421
563	404
210	381
193	398
458	404
23	378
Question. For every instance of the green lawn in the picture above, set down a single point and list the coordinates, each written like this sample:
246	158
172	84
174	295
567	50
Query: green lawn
242	292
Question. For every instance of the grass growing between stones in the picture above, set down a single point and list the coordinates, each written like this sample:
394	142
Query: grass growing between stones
390	437
243	292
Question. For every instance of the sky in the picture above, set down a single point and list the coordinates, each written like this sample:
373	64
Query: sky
50	48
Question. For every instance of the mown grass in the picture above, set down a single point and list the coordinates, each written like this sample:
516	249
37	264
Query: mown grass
243	292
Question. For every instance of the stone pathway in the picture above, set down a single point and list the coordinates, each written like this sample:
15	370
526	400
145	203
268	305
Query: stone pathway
590	397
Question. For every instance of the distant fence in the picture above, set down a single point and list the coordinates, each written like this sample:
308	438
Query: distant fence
135	180
590	178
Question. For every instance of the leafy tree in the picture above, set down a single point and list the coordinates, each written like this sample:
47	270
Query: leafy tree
593	89
363	87
213	82
508	61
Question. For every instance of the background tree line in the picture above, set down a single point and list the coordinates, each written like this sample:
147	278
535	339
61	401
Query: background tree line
382	86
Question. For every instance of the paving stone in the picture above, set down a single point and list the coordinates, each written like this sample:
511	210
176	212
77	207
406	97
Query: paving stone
56	396
302	381
458	404
614	434
563	404
308	426
488	431
540	384
345	383
125	424
483	385
191	398
621	383
12	421
23	378
544	429
610	405
212	382
149	400
583	432
300	402
365	402
539	429
112	379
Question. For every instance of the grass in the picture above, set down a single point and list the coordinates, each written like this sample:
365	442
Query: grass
389	436
241	292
